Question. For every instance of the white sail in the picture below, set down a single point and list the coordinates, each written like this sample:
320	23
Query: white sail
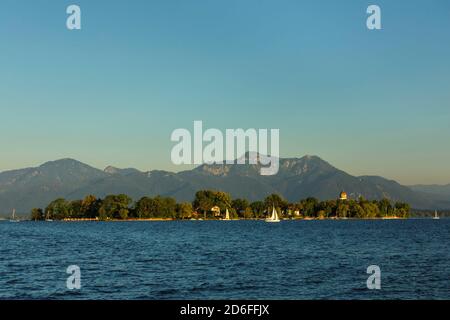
436	216
47	217
274	216
13	219
227	215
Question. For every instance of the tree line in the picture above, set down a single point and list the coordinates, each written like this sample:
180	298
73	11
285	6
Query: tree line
122	207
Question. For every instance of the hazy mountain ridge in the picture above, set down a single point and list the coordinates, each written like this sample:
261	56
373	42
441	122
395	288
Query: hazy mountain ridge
297	178
433	189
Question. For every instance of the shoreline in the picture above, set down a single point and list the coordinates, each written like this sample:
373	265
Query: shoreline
202	219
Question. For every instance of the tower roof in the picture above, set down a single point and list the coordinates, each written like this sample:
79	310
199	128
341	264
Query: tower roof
343	195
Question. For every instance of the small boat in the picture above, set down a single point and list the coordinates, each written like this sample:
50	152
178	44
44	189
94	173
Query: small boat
47	218
436	216
14	219
227	215
273	217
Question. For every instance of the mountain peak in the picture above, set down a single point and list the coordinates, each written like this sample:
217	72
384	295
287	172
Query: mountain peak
62	162
111	170
124	172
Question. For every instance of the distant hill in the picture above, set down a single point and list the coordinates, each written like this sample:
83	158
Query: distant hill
443	190
297	178
35	187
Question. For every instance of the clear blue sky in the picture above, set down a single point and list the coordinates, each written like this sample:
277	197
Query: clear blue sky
369	102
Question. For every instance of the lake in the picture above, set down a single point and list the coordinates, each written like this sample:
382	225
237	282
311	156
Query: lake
226	259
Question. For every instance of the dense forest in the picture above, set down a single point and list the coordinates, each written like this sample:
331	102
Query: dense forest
209	204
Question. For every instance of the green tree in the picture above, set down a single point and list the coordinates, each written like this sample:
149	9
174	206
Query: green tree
168	207
123	213
144	208
203	201
37	214
343	209
90	206
356	210
240	206
75	209
102	215
115	207
310	207
248	213
385	207
371	209
206	199
402	209
184	210
327	208
258	208
58	209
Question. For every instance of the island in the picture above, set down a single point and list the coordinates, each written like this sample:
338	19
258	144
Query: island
216	205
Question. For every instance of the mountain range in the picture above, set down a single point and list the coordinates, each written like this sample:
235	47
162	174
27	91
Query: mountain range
443	190
297	178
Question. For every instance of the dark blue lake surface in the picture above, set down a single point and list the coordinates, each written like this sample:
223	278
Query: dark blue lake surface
226	260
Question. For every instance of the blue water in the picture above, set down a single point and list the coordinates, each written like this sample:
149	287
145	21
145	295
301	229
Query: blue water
226	260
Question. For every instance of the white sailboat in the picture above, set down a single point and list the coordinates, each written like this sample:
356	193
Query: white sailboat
436	216
227	215
14	219
274	216
47	218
